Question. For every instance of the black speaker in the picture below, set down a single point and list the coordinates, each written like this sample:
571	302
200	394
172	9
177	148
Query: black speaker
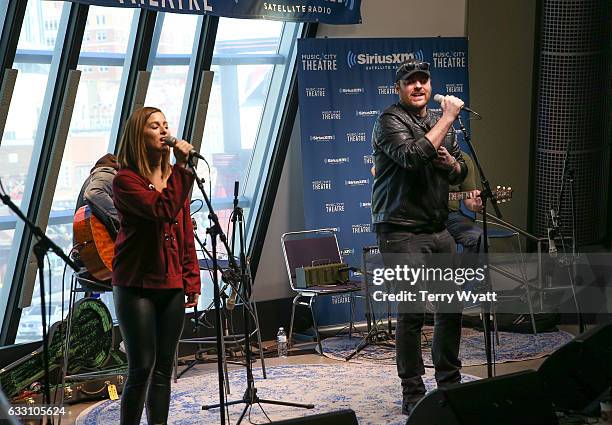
502	400
341	417
578	374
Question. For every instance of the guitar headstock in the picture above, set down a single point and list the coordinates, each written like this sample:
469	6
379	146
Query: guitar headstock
503	193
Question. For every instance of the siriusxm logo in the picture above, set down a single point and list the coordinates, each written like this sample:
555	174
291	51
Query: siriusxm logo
321	185
315	92
331	115
357	90
328	138
368	159
354	59
367	114
361	228
347	251
386	90
336	161
353	183
356	137
365	205
334	207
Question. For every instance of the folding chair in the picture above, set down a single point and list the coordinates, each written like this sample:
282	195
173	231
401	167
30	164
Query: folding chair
311	248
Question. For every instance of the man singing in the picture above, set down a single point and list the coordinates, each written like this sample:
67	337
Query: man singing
416	156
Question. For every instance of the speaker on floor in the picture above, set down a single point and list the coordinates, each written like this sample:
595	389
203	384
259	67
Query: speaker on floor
579	373
502	400
341	417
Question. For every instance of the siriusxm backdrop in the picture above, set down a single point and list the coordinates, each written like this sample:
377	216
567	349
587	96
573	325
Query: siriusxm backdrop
327	11
344	84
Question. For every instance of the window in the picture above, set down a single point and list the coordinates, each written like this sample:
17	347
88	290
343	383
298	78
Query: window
88	139
101	36
18	140
251	60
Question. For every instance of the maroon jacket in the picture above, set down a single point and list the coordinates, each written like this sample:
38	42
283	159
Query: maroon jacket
155	248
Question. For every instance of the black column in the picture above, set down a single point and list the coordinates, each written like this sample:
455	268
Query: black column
573	108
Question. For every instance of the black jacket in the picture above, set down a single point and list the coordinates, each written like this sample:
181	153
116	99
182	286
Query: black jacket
409	193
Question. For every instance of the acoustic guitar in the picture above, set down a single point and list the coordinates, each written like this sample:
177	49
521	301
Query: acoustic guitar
91	342
92	242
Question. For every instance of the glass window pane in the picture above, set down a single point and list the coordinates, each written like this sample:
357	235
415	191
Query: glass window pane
178	34
168	81
39	32
88	137
166	90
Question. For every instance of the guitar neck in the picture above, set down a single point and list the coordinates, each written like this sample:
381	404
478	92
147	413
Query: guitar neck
459	196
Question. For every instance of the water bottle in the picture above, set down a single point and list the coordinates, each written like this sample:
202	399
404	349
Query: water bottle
281	340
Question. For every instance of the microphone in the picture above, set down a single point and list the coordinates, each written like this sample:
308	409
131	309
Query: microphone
439	98
171	141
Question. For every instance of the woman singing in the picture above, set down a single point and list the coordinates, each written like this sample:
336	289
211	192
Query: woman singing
155	265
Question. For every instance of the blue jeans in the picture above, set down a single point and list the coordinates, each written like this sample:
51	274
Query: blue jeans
464	231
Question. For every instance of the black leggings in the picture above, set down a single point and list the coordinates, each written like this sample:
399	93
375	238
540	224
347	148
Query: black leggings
151	322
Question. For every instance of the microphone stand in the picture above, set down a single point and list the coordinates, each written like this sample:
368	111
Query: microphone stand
486	194
567	178
250	396
40	249
215	231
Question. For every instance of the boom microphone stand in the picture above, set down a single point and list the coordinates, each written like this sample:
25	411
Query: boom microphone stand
250	396
486	194
40	249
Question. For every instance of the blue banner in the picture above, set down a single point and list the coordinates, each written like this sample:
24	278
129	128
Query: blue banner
326	11
344	84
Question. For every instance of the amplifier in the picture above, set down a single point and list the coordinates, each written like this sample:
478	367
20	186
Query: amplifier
326	274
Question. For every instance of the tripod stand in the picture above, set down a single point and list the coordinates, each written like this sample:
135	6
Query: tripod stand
250	396
375	335
231	280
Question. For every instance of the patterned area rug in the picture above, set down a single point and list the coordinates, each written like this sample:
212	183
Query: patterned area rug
373	392
513	347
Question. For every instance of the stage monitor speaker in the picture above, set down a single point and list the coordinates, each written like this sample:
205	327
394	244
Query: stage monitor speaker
341	417
502	400
578	374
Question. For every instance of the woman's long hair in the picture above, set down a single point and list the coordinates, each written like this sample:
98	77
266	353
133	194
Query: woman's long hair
133	149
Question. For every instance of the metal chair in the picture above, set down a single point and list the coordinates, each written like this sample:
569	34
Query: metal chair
308	248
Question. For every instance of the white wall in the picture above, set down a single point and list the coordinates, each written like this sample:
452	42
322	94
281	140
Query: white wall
381	18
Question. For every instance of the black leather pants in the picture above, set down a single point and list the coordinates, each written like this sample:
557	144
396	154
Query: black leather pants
151	322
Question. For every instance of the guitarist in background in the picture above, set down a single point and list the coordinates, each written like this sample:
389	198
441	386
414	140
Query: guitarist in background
155	268
462	228
97	192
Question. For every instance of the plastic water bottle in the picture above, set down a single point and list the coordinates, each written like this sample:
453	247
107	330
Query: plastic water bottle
281	340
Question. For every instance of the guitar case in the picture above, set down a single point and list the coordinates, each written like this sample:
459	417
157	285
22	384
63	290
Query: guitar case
91	344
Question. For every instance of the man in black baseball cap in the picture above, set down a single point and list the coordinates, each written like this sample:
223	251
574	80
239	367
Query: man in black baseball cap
416	156
411	67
